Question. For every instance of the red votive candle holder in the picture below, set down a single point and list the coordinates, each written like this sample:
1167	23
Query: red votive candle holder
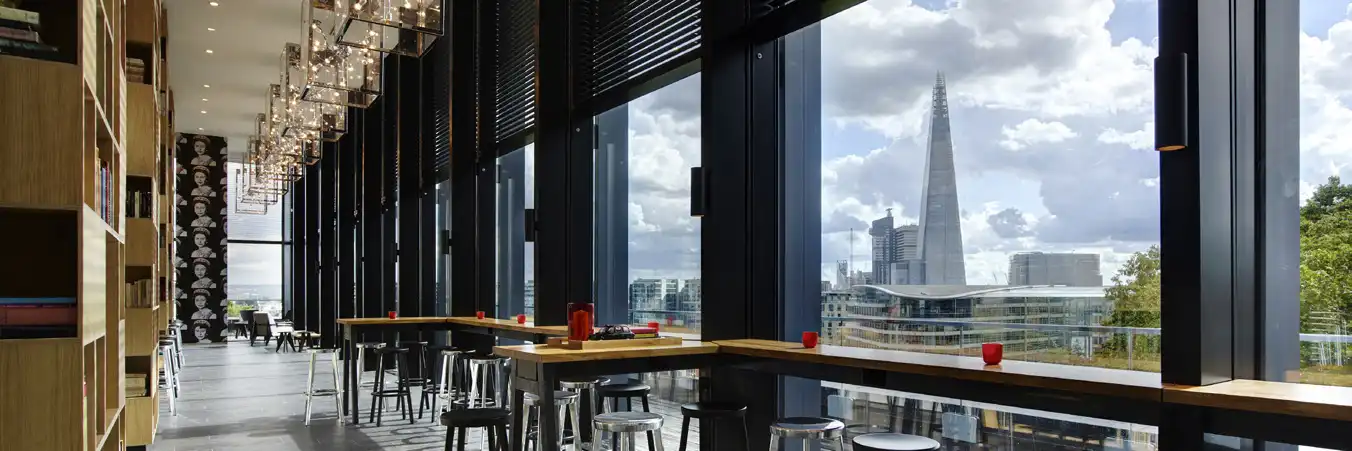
393	314
653	324
992	353
810	340
479	314
521	318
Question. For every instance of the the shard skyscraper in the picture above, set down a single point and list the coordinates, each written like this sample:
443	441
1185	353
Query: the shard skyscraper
940	231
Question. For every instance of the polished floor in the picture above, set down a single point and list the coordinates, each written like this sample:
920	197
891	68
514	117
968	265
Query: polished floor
237	397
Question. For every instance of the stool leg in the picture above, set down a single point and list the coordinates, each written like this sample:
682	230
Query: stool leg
596	440
525	426
450	437
310	390
337	389
774	443
746	437
652	444
502	438
560	414
492	437
659	444
460	444
685	431
378	383
577	426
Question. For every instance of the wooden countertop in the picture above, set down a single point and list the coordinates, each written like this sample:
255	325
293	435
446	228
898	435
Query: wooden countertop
400	320
544	354
1081	379
1301	400
494	323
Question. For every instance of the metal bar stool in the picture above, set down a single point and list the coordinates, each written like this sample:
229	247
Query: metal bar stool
451	386
379	392
622	426
566	405
311	392
807	429
170	378
628	392
362	348
485	375
713	411
586	388
493	420
891	441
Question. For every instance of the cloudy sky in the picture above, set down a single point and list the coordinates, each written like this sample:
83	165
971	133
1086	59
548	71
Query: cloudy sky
1052	122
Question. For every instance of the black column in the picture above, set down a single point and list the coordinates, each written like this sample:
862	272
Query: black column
298	205
326	314
389	192
485	184
372	298
464	154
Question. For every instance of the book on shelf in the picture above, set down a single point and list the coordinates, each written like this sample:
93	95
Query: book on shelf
35	311
136	385
20	15
19	34
35	50
141	293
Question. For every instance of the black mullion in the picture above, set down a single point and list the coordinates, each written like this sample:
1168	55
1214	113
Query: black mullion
552	151
326	314
372	303
348	189
389	157
298	206
485	174
308	318
410	188
464	127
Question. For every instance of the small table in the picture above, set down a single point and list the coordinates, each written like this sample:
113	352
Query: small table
538	368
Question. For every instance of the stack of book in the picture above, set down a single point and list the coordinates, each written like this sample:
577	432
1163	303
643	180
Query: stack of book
19	35
36	317
141	293
136	70
103	185
137	385
139	204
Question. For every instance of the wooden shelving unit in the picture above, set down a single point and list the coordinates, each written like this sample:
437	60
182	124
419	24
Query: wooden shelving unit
149	172
62	177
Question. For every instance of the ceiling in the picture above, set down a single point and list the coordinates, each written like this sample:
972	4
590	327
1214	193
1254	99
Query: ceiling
245	49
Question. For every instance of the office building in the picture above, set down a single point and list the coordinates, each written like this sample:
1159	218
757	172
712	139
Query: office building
940	229
1048	268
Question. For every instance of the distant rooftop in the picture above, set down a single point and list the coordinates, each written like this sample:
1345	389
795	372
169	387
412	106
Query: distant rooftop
986	291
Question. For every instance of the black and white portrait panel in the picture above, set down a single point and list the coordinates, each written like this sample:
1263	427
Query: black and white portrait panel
200	233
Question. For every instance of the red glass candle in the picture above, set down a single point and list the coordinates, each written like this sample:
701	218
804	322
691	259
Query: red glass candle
521	319
580	320
809	340
479	314
393	314
992	353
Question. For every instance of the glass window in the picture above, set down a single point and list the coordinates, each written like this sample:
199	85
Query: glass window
515	256
1325	193
987	176
255	277
246	226
645	150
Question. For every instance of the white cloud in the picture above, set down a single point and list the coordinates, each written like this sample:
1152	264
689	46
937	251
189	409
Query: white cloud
1142	139
1033	131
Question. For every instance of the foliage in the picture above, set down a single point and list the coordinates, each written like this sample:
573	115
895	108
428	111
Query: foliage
233	309
1135	295
1331	197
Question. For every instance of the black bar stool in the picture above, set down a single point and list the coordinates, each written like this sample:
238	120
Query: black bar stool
627	391
713	411
891	441
493	420
415	376
401	392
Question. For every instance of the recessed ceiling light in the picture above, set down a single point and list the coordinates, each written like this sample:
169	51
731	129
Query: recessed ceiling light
213	4
209	51
211	29
206	86
204	100
204	111
199	129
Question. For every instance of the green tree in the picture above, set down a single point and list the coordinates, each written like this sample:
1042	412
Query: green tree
1325	265
1135	295
1331	197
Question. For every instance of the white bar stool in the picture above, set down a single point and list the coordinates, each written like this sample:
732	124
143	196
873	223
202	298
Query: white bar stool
311	392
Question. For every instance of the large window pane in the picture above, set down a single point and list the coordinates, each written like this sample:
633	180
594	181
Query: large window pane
245	226
987	176
1325	194
255	274
515	256
648	186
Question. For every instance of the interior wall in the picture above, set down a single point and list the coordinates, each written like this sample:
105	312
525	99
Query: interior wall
200	235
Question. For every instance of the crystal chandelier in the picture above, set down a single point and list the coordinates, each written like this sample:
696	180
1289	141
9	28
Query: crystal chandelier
307	120
402	27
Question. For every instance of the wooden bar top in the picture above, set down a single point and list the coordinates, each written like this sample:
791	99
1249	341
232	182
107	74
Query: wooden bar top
1081	379
545	354
400	320
494	323
1301	400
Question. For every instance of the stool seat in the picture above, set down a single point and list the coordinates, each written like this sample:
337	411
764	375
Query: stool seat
582	382
627	422
713	410
439	348
560	396
469	418
888	441
371	345
624	390
410	343
390	350
810	427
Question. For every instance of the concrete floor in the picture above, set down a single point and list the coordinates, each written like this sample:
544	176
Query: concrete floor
237	397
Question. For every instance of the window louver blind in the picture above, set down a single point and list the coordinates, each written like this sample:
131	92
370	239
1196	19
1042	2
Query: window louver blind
626	42
761	8
514	80
438	67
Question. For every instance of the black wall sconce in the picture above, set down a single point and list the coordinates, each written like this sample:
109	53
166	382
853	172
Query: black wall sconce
1171	102
698	192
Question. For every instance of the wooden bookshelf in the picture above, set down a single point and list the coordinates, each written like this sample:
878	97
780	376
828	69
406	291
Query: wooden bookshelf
149	168
62	178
